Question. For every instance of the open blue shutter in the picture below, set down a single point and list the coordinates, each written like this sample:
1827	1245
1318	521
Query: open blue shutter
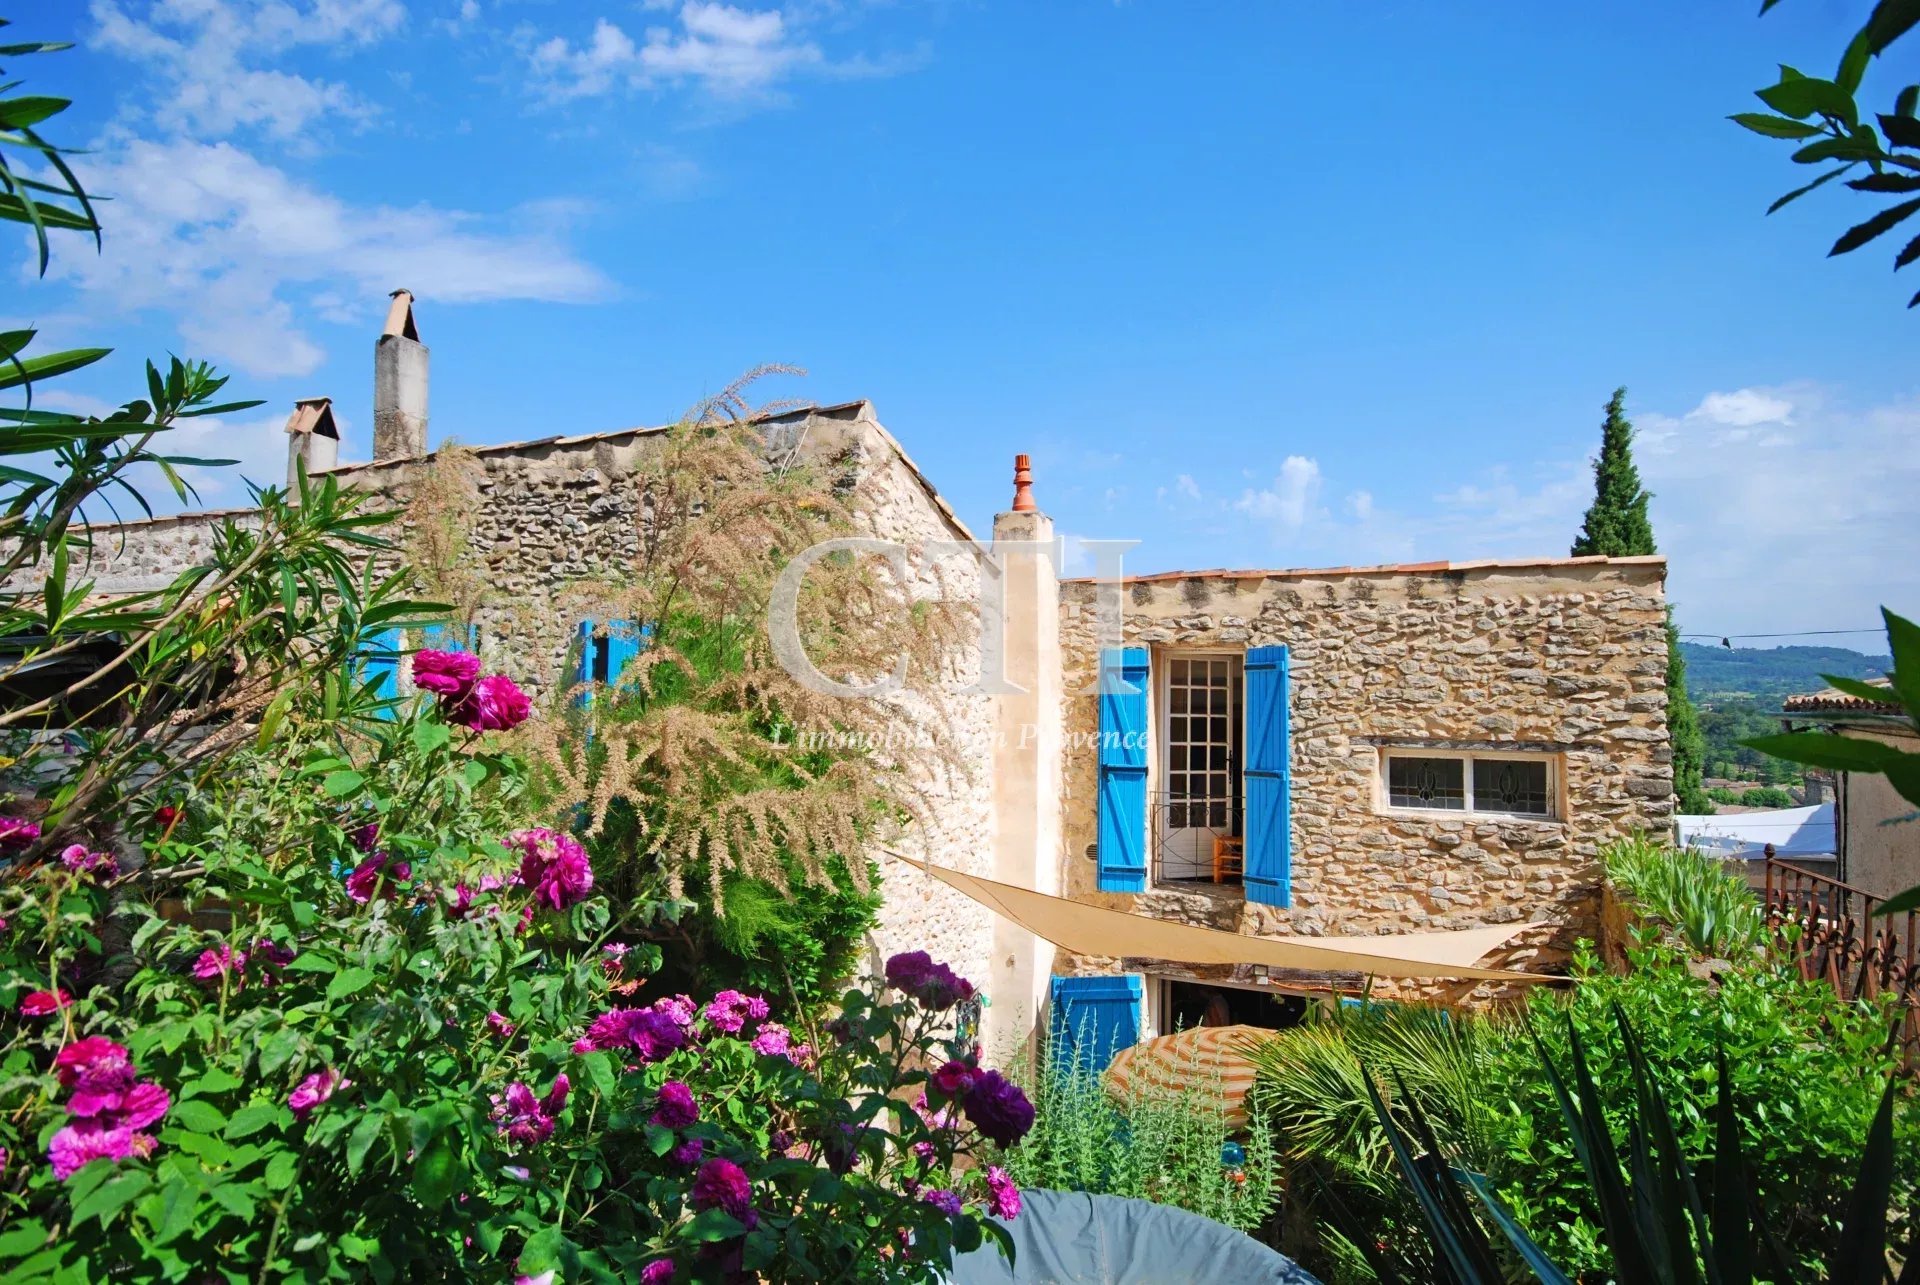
1269	840
449	638
1093	1018
1121	839
583	667
380	665
624	641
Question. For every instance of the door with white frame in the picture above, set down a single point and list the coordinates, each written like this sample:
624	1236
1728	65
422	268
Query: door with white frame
1202	719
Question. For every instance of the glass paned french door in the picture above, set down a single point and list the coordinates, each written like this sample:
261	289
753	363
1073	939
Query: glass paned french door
1201	744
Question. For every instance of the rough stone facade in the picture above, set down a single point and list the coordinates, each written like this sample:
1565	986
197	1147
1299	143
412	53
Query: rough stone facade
1565	659
558	513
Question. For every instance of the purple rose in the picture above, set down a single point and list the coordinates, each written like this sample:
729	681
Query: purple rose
722	1184
955	1078
674	1107
366	836
658	1272
935	986
998	1109
945	1201
907	970
687	1152
446	673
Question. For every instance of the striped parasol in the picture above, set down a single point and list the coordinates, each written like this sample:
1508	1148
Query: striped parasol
1200	1058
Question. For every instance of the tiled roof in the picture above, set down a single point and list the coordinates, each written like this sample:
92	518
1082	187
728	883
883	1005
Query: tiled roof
1387	569
860	409
1829	700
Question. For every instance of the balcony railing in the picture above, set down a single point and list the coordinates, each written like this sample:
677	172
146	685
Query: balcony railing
1167	815
1827	929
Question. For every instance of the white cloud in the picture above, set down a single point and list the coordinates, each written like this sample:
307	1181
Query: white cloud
1742	408
1186	487
1290	502
730	52
217	237
206	56
1778	509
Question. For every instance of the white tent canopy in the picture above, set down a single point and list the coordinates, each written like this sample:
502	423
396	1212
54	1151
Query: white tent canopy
1793	832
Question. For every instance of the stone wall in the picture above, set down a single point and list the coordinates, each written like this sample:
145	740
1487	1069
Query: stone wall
559	512
1566	658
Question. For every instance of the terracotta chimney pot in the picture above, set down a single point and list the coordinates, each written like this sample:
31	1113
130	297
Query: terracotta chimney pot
1023	485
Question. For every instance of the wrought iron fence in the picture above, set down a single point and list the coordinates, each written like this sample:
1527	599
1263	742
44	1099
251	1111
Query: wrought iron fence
1827	929
1167	813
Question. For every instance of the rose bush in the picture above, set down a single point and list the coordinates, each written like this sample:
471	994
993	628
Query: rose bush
390	1032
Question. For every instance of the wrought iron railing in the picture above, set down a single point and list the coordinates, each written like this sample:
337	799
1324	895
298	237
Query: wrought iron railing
1827	929
1166	814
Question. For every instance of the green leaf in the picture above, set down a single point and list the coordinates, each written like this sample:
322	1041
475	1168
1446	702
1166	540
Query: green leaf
436	1173
1773	126
213	1080
348	981
18	372
713	1224
1903	641
1822	749
428	737
1853	63
1806	95
201	1117
24	1237
1902	902
361	1140
110	1197
250	1120
1861	233
340	784
178	1200
1799	192
312	961
1886	183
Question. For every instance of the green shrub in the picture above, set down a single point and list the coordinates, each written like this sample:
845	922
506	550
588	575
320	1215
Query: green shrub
1164	1143
1808	1069
1808	1072
1700	900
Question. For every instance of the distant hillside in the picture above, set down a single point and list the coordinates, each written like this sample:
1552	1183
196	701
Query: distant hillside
1767	676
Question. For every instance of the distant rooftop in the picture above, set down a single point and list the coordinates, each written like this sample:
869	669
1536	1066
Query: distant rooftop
1829	700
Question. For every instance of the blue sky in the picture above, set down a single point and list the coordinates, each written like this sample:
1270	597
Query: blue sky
1257	284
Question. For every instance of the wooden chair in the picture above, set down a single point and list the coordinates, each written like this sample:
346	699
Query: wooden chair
1227	857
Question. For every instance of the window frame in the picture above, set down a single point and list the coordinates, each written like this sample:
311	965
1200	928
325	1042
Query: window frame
1556	812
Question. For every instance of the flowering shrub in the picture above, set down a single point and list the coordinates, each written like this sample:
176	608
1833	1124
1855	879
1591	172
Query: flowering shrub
393	1036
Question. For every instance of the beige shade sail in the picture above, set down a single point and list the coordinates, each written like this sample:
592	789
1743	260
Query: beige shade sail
1206	1058
1094	930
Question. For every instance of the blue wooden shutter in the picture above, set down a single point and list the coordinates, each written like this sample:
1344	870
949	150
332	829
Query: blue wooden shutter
624	641
450	638
1269	830
380	665
583	665
1121	839
1092	1019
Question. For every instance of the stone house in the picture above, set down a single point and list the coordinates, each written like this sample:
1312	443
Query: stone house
1370	750
1875	850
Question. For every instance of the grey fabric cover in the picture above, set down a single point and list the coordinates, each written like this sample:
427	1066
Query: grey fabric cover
1071	1238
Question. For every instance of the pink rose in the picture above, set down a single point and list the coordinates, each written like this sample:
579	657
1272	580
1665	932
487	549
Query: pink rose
494	705
445	673
44	1003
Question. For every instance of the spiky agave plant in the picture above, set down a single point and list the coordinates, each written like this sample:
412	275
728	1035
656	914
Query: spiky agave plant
1662	1221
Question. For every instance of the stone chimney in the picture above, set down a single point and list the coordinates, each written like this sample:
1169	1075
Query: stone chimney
1022	614
399	385
312	438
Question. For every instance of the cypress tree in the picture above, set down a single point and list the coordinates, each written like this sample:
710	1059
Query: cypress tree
1617	526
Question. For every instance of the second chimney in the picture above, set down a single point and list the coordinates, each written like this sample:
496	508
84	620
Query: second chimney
399	385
